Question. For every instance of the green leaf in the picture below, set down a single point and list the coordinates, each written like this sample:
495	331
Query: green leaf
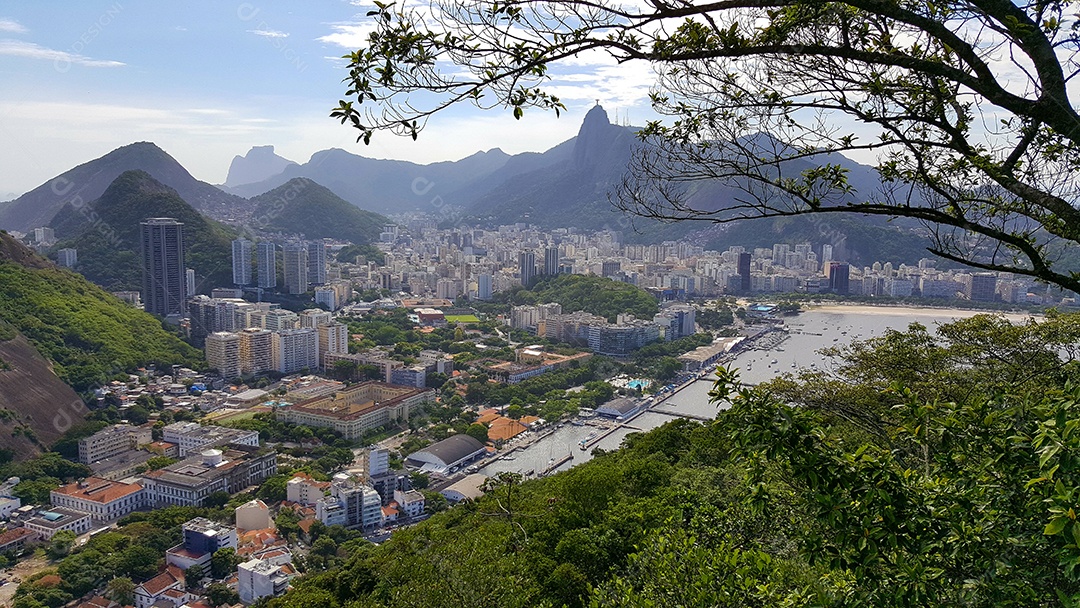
1055	526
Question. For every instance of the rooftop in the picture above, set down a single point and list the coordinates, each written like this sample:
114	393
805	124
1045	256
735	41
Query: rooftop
98	490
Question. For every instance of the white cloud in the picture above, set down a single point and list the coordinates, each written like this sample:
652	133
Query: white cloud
11	26
269	33
29	50
349	36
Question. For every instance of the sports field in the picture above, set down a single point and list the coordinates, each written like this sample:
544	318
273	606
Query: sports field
462	319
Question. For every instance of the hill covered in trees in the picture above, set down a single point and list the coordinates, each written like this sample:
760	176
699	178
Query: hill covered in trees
106	233
597	295
86	333
301	206
877	496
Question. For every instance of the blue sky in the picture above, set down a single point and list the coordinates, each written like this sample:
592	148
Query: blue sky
206	80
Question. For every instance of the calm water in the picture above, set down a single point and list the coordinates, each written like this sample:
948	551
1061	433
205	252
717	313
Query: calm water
809	332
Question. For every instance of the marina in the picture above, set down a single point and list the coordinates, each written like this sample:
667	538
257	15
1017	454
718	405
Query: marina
792	351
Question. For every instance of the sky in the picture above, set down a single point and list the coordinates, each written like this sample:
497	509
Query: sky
208	79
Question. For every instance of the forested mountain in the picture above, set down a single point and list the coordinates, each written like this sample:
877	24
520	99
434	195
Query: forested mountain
106	233
89	181
301	206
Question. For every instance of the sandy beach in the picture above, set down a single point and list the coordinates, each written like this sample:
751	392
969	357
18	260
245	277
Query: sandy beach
909	311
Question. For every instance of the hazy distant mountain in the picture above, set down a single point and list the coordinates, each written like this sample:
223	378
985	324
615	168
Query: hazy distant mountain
260	163
89	180
109	246
571	184
301	206
384	186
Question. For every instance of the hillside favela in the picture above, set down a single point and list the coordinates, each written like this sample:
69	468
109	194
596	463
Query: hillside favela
539	304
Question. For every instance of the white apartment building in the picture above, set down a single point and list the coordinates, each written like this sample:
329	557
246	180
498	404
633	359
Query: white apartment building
295	349
314	317
113	440
223	353
102	499
258	578
304	490
411	502
281	320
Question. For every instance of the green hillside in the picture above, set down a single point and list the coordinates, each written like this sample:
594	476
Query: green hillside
597	295
88	334
301	206
106	234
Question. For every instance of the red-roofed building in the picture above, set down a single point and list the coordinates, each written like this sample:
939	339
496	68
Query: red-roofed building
154	589
102	499
15	539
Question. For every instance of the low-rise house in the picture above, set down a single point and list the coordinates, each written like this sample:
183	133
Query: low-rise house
159	587
411	502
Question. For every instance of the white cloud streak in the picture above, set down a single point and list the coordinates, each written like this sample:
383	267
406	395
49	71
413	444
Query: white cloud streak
29	50
269	33
12	27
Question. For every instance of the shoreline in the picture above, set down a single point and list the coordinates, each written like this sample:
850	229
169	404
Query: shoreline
914	311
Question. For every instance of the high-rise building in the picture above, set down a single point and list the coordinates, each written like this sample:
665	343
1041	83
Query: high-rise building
223	353
314	317
526	267
744	271
333	339
67	257
316	255
610	267
839	277
189	281
982	287
267	261
295	258
164	290
295	349
826	254
483	287
241	262
551	260
256	353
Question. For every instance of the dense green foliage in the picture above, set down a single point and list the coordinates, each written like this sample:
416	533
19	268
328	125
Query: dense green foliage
597	295
88	334
349	253
966	502
107	235
301	206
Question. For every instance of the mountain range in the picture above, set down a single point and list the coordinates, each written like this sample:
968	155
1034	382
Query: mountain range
567	185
